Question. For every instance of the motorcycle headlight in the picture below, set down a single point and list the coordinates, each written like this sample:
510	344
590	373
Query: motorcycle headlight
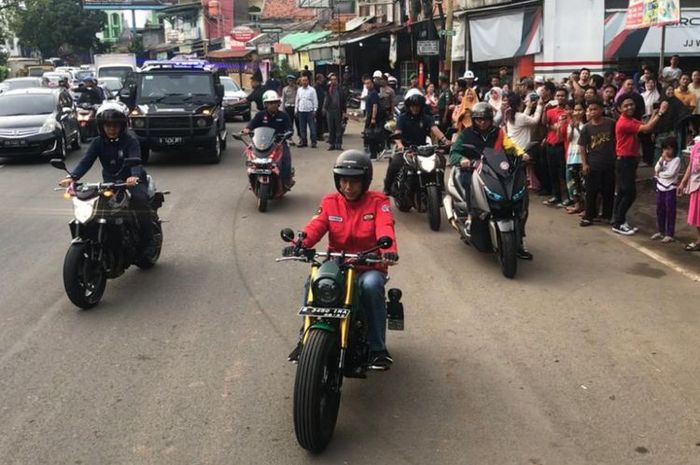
49	126
138	122
427	164
519	195
495	196
201	122
326	291
84	210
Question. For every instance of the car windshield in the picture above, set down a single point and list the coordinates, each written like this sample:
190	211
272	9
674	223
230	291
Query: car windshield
230	85
174	86
263	138
27	104
80	75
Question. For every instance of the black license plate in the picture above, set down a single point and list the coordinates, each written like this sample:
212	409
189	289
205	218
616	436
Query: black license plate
170	140
320	312
15	143
262	172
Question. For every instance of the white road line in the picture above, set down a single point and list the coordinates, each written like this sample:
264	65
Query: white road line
659	258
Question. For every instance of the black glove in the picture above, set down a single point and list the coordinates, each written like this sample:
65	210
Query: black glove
289	251
391	257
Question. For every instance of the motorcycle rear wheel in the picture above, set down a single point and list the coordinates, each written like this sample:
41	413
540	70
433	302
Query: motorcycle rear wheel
317	391
433	198
263	196
83	278
508	254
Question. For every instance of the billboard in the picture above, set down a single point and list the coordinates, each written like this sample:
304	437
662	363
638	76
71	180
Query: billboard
126	4
647	13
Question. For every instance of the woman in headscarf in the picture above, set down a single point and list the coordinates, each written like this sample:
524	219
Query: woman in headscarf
671	122
461	117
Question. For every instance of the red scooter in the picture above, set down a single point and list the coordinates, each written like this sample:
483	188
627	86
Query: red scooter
263	156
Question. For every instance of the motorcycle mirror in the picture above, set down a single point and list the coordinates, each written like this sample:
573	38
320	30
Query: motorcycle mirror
384	242
58	163
288	135
237	136
287	235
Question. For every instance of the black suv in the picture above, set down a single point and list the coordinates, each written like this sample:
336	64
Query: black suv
177	106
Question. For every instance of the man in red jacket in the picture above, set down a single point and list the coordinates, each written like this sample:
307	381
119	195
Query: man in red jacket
355	218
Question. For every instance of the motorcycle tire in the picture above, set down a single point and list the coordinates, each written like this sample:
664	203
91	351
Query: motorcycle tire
83	135
317	390
146	262
433	198
263	194
508	254
76	267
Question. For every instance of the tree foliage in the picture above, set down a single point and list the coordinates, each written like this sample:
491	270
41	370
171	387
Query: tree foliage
57	27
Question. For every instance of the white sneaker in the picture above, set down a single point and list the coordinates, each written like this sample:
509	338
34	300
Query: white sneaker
656	236
633	228
624	229
667	239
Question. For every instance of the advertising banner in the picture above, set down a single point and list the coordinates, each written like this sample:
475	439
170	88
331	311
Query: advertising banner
127	4
647	13
506	35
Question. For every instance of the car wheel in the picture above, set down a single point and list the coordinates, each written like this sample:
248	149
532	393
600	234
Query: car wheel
61	150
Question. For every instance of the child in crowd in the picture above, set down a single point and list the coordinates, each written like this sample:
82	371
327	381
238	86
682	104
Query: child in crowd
667	172
691	185
574	177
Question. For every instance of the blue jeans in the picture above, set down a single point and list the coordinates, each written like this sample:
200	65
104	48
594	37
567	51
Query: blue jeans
373	301
306	119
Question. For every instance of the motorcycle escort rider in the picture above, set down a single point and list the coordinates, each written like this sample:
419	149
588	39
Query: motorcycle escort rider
355	218
414	125
90	93
272	117
119	153
483	134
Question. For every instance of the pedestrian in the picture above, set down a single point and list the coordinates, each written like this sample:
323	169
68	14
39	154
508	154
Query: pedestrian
431	100
336	113
672	123
609	92
671	73
321	88
503	76
495	99
387	95
666	173
556	121
374	122
520	123
629	89
445	104
306	106
627	149
695	88
289	98
363	95
597	150
574	175
691	185
651	98
684	94
413	80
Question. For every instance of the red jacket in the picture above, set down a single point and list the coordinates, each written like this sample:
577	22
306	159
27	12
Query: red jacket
352	226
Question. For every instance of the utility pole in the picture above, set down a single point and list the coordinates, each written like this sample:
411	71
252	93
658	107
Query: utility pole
448	39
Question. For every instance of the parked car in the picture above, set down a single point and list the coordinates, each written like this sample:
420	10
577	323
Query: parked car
37	122
20	83
235	103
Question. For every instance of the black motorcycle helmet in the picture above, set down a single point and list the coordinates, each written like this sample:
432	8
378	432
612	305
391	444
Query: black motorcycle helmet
482	110
353	164
110	113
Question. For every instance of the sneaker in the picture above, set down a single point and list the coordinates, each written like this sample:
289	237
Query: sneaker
585	222
380	361
667	239
524	254
624	229
551	201
656	236
567	203
294	354
302	145
331	148
633	228
313	145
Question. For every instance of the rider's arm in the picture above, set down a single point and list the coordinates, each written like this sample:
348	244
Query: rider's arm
256	122
437	134
457	151
510	146
133	154
384	223
87	161
318	226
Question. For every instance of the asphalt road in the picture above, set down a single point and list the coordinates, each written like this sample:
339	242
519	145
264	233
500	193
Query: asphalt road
589	357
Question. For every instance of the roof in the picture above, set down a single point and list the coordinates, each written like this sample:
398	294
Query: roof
286	9
26	78
33	90
228	53
345	38
299	39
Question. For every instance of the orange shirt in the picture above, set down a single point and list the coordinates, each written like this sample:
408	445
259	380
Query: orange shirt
688	97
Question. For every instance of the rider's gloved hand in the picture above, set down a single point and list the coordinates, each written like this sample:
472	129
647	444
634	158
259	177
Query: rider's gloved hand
290	251
390	258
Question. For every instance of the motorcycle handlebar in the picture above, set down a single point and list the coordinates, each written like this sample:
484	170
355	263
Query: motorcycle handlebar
359	258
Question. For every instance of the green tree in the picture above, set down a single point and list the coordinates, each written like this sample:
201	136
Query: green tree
57	27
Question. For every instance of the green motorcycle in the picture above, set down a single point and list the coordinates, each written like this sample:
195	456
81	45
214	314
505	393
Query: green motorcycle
333	343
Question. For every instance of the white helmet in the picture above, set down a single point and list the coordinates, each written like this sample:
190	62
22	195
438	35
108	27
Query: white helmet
271	96
469	74
411	93
392	80
377	74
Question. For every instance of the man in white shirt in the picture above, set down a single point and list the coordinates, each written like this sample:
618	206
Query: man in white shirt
306	106
671	73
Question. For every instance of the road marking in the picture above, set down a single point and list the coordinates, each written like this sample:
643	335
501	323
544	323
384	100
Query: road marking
659	258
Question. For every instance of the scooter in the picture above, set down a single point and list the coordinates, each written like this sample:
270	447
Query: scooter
263	154
491	216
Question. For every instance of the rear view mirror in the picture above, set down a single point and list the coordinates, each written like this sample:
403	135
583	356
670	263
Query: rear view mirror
66	110
287	235
58	163
385	242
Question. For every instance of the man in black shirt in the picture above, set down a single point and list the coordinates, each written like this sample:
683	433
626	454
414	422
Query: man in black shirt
90	93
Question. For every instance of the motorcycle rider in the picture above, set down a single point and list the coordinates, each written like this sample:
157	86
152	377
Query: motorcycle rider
414	125
483	134
120	156
90	93
355	218
272	117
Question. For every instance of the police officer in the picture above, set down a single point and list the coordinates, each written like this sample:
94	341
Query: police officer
120	156
414	125
272	117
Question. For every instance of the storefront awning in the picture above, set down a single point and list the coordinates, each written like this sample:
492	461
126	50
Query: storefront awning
291	42
356	22
681	39
507	34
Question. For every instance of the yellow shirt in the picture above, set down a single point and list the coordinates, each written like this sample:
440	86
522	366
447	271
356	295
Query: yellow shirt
688	97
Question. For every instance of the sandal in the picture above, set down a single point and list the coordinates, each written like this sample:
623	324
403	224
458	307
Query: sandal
573	210
693	247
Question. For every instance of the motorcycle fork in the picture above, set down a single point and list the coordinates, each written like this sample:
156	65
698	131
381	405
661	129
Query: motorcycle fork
345	324
309	299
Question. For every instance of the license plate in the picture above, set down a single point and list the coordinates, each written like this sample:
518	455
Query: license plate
261	172
15	143
170	140
321	312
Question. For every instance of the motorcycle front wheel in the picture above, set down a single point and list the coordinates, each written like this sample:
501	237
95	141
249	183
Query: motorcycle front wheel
83	278
317	390
263	194
508	254
433	207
